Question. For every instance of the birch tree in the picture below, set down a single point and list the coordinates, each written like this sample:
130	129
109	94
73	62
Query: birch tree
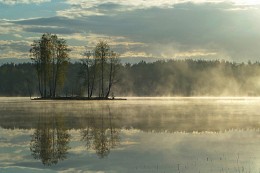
50	56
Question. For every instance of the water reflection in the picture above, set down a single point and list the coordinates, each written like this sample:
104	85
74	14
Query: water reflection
100	133
50	140
184	135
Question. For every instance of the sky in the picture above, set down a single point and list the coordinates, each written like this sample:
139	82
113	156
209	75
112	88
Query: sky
136	29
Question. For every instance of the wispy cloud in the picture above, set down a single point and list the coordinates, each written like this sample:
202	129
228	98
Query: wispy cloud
14	49
15	2
194	53
89	41
132	54
142	4
7	27
78	12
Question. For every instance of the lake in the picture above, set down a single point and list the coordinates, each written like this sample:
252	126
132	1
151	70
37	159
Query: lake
166	135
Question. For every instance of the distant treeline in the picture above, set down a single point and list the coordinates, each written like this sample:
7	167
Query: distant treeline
160	78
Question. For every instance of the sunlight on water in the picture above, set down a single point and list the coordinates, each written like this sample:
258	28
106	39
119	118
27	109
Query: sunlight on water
190	135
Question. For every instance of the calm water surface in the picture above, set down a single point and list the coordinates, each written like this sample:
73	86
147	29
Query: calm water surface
192	135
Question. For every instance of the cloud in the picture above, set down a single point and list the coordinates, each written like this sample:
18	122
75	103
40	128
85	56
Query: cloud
122	5
78	12
110	3
14	44
81	8
118	43
76	52
16	54
14	49
192	53
49	29
114	41
165	29
111	8
135	4
15	2
65	25
7	27
135	54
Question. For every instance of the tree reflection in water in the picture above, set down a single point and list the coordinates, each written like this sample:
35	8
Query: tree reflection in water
50	140
100	133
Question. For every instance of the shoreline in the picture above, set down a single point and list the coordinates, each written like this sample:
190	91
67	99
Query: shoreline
77	98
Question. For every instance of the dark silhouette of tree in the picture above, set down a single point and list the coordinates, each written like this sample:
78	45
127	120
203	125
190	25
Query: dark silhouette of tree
114	66
100	69
50	140
102	52
88	72
87	64
50	56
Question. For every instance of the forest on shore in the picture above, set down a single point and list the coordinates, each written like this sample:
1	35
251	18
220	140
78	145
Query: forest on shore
160	78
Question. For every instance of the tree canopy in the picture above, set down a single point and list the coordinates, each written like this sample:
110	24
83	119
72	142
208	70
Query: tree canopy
50	56
99	70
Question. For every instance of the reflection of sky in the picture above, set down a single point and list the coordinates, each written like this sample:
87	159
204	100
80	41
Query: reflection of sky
139	151
232	151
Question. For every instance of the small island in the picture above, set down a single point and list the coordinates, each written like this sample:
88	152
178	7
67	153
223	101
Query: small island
77	98
98	72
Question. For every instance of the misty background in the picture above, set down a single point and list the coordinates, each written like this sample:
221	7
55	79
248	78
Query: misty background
160	78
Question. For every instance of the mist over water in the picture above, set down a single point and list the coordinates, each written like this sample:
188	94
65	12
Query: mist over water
174	114
160	78
155	134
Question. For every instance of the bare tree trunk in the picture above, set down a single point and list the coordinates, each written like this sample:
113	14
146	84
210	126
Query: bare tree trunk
110	79
99	89
45	81
88	81
102	75
93	79
56	77
50	87
53	77
39	81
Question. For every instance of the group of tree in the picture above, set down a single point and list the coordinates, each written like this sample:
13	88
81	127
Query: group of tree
50	55
99	70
